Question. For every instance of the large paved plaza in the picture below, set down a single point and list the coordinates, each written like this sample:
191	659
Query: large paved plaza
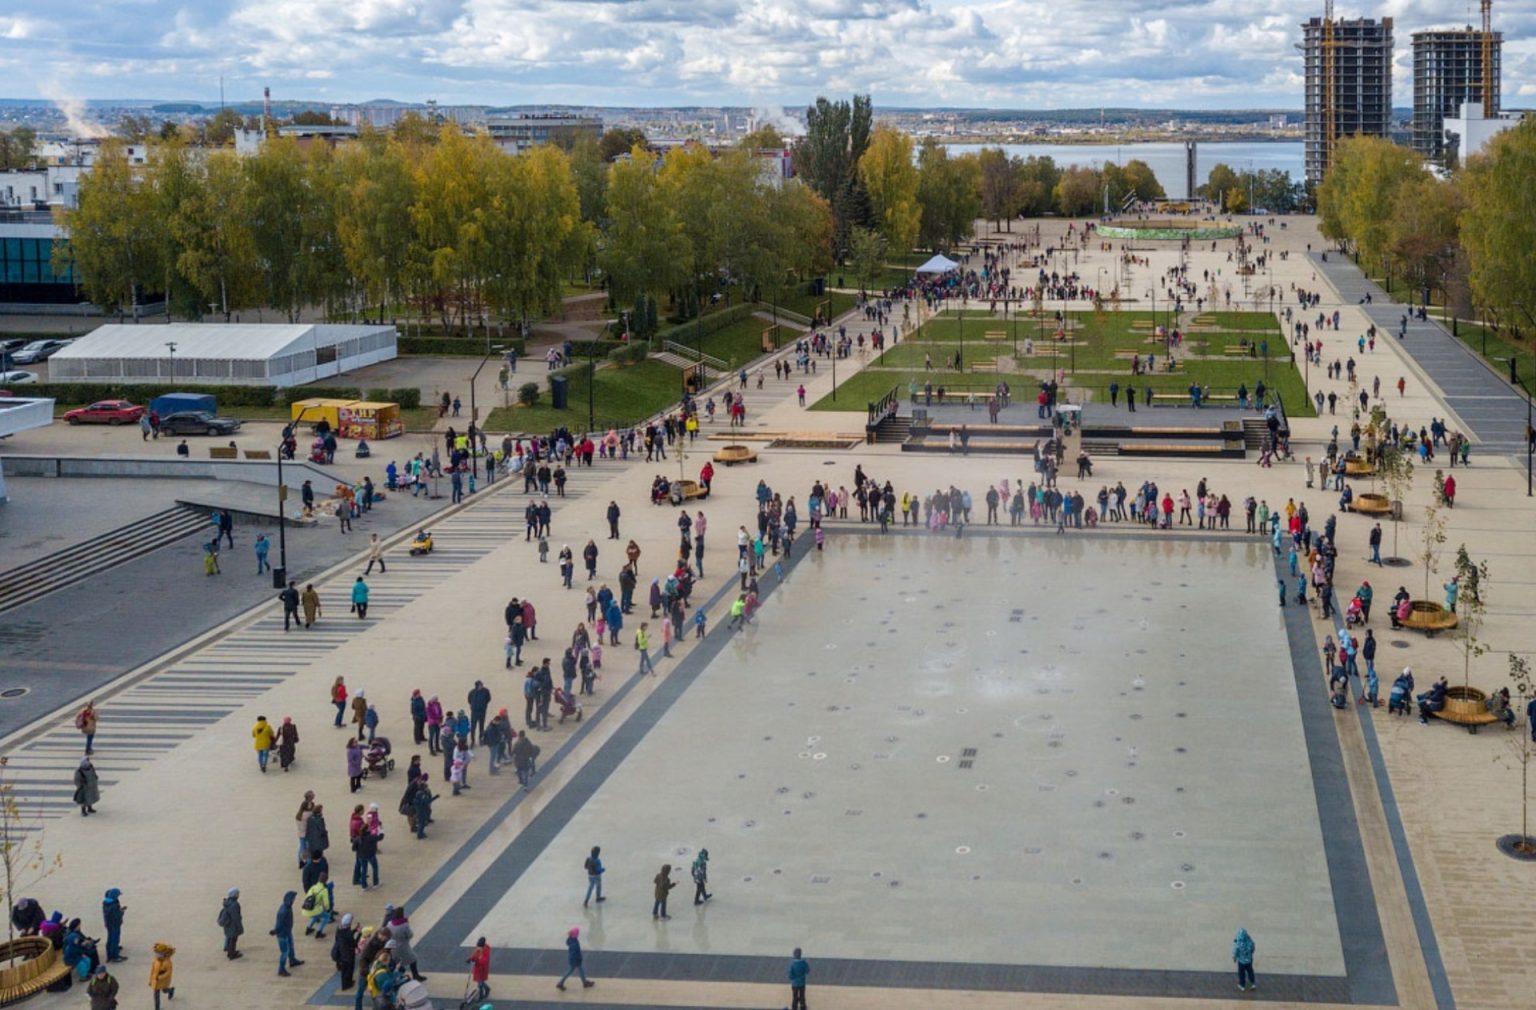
1010	769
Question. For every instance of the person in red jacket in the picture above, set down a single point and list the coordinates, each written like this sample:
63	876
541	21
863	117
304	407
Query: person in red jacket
706	474
1450	492
480	969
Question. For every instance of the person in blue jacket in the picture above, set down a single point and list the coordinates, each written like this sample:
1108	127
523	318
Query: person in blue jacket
573	960
112	909
799	970
1242	954
282	928
360	598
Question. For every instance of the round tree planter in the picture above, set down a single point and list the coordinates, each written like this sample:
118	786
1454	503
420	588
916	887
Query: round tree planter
1430	618
1358	469
1522	847
38	967
1372	504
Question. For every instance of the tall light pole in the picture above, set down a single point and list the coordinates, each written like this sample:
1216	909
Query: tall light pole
280	573
474	412
170	345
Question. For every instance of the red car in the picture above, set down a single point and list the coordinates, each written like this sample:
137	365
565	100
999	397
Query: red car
106	412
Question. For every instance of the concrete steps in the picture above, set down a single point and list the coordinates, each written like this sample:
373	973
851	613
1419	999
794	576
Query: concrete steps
89	557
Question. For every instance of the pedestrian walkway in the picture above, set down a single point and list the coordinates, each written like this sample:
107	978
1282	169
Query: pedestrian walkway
153	717
1495	413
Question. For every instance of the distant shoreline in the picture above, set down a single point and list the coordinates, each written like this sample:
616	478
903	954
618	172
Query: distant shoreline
1113	140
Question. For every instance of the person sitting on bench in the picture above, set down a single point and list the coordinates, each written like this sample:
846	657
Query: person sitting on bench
1433	700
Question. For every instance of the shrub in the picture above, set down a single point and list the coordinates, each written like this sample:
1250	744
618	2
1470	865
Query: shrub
87	392
376	394
468	347
409	397
528	394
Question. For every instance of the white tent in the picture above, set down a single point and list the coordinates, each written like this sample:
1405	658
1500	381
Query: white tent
263	354
940	264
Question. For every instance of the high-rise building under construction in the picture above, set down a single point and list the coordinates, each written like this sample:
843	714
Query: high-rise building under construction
1447	73
1349	84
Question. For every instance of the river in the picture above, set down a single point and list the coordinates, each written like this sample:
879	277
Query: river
1166	160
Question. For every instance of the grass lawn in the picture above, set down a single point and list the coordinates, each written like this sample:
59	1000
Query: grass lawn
622	396
1241	320
1498	345
805	303
1096	362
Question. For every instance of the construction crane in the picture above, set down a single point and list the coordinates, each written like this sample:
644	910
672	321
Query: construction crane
1488	79
1330	126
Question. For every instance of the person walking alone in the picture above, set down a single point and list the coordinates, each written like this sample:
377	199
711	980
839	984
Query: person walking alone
375	554
232	923
643	646
1242	954
664	884
282	930
360	598
701	877
594	868
573	960
162	973
799	971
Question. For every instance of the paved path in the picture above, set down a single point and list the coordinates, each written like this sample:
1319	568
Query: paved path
1494	411
183	700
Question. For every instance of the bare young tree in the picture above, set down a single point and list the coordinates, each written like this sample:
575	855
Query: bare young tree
24	861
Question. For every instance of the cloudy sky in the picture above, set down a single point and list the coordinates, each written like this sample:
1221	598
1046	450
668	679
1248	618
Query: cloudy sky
991	53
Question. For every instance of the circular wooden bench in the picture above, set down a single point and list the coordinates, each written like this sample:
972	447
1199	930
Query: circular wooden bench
1466	706
1358	468
40	968
733	454
1371	504
1430	618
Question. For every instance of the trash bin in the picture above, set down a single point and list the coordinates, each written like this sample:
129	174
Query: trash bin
279	578
559	391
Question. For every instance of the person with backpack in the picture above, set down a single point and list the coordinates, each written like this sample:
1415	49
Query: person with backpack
85	722
595	871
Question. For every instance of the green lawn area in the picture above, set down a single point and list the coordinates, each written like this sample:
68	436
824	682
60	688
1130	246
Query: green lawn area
1242	320
622	397
805	303
1096	364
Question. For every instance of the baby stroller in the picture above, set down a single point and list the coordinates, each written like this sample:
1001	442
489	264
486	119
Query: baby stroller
412	995
317	451
568	706
376	758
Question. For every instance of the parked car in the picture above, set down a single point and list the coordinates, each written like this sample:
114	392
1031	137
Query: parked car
13	344
197	422
17	378
38	350
105	412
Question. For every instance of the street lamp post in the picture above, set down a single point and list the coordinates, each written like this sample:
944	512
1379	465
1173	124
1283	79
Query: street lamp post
474	412
280	573
170	345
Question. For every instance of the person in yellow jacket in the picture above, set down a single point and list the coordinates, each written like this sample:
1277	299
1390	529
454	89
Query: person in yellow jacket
643	646
160	973
263	736
317	906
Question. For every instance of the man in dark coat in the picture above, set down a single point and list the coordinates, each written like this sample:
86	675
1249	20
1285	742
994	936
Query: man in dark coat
282	929
479	705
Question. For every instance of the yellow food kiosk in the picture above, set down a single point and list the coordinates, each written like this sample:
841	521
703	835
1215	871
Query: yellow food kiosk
369	420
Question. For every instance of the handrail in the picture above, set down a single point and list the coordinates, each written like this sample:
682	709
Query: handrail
685	351
884	407
792	316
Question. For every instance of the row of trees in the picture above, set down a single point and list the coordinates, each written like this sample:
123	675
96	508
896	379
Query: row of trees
1272	190
436	225
1469	236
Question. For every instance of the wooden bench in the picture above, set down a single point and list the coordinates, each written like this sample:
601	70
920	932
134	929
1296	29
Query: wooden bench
1371	504
1466	706
42	967
984	365
223	452
1127	355
1165	399
1358	469
1430	618
1183	448
258	454
996	335
730	455
1235	350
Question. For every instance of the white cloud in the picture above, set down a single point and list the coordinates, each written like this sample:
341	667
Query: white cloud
1000	53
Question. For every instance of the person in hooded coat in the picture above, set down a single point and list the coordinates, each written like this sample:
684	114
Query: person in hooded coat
1242	954
402	934
573	960
87	791
282	929
344	950
232	922
162	973
112	911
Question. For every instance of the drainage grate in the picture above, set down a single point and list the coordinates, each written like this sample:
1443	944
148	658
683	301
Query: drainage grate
967	763
968	752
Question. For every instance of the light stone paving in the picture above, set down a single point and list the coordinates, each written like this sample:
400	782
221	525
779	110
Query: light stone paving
1053	746
180	830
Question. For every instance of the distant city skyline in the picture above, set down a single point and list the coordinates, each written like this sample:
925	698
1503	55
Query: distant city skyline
1012	54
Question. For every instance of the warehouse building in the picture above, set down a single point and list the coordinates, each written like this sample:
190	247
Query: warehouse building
212	354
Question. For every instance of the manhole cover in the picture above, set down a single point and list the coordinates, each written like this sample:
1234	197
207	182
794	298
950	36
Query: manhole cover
14	692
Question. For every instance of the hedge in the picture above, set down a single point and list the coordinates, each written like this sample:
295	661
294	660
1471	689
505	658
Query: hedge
712	323
468	347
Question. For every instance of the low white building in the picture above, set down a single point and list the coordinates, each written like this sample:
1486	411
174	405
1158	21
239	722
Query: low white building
20	413
1470	133
221	354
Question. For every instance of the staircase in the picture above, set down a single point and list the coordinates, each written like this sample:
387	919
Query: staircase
90	557
893	429
1254	433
